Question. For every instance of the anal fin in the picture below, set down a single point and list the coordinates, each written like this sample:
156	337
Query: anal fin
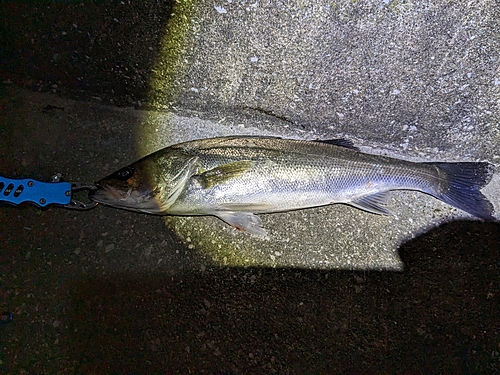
374	203
244	221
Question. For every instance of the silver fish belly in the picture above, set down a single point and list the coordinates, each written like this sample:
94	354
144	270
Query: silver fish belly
234	178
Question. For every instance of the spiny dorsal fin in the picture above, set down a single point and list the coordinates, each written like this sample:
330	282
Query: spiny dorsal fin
339	142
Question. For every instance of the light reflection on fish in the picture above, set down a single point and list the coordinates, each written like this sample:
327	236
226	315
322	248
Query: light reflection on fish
235	178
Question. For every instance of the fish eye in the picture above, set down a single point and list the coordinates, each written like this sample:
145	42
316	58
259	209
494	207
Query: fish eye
124	173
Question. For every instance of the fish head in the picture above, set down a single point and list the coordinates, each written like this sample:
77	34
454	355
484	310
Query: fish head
149	185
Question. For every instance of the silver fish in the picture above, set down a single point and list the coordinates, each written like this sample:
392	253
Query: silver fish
235	178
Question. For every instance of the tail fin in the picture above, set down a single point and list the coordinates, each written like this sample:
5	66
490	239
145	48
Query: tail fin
464	183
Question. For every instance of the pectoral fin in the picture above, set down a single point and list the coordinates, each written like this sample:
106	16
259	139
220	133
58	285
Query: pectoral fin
374	203
244	221
224	173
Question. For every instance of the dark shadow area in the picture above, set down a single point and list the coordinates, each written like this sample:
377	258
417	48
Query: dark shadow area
439	314
83	49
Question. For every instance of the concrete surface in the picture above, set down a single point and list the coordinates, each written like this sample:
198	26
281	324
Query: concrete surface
109	290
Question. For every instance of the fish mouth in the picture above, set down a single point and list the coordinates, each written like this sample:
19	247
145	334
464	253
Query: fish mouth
105	195
129	200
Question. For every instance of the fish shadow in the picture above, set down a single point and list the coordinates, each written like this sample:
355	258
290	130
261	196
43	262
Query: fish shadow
440	313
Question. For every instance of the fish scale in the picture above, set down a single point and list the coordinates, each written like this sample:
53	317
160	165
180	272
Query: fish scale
326	179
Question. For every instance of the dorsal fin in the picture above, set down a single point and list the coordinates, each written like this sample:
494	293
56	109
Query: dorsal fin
339	142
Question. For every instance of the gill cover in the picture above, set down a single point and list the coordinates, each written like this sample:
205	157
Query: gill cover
149	185
179	182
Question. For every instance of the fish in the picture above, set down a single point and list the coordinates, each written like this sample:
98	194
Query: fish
236	177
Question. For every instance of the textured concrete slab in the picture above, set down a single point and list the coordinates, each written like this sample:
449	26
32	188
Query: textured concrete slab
418	76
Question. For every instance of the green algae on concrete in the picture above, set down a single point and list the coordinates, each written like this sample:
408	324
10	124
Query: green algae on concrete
169	68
